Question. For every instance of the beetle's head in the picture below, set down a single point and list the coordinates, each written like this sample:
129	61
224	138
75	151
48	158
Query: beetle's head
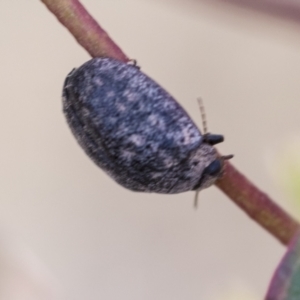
215	164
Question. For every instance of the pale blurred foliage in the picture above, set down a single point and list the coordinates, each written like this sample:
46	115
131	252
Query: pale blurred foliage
22	275
284	164
237	291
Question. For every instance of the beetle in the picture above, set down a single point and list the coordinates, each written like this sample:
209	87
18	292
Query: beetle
136	131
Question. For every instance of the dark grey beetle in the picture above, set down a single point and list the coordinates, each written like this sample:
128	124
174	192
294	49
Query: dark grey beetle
136	132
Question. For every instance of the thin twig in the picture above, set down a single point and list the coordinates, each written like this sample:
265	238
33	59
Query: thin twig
289	9
258	205
84	28
236	186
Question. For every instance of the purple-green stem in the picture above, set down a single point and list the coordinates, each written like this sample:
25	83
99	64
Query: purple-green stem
235	185
258	205
85	29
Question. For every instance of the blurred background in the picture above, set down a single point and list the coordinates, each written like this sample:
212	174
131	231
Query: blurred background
67	231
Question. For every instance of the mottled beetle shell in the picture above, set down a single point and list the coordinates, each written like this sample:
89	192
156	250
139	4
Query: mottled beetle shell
134	130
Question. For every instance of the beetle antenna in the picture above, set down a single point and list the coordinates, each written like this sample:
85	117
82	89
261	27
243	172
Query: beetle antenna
196	199
204	125
203	115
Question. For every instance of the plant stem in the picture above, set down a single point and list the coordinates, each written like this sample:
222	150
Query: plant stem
84	28
258	205
235	185
287	9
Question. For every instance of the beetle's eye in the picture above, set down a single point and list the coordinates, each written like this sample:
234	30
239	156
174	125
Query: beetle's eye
213	139
214	168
